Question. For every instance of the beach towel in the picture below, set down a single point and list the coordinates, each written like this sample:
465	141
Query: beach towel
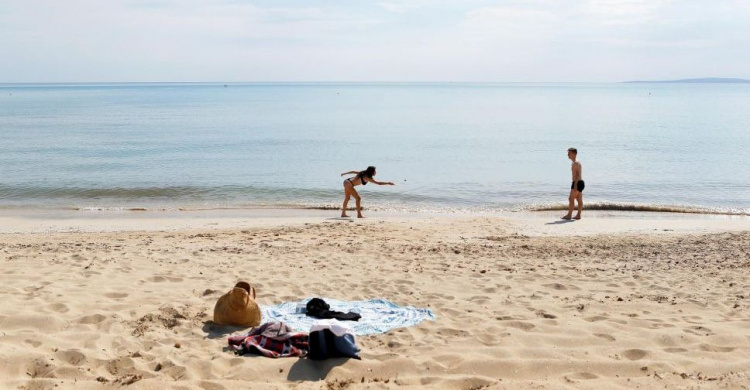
378	315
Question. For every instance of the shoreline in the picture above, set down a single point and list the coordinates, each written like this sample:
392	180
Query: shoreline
531	222
391	208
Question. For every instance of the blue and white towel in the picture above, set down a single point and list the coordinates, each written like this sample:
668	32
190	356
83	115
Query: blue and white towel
378	315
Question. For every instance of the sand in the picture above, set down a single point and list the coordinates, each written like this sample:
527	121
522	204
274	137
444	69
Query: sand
521	301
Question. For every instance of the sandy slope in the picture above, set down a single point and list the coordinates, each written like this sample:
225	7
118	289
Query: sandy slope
520	304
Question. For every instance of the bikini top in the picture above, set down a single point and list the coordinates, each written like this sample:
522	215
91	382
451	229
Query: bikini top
362	179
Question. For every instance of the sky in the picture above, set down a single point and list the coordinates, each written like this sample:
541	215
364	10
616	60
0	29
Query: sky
389	40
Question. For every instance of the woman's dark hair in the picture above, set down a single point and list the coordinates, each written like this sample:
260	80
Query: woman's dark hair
367	172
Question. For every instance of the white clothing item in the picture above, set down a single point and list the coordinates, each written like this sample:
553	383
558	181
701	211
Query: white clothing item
337	327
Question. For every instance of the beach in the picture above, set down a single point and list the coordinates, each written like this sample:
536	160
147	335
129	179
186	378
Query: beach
97	300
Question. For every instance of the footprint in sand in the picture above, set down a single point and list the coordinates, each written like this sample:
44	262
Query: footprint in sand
383	356
452	332
91	319
115	295
480	299
660	326
211	386
595	318
581	376
635	354
544	314
605	336
58	307
675	350
453	312
509	318
699	330
520	325
177	372
120	365
487	339
716	348
72	357
34	343
234	362
41	368
555	286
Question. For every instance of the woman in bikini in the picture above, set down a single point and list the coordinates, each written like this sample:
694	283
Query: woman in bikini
362	177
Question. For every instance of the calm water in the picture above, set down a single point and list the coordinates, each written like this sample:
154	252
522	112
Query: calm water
447	146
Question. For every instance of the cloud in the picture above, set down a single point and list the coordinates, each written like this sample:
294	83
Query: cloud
419	40
625	12
399	7
743	5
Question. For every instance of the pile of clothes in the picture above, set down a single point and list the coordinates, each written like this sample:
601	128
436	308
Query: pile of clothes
328	337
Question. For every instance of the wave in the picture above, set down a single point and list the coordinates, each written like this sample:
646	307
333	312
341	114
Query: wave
245	197
12	192
648	208
443	209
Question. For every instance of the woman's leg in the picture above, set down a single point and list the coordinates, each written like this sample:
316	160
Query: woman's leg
347	195
359	202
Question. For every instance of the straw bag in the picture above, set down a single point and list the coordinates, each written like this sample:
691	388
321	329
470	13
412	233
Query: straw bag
238	307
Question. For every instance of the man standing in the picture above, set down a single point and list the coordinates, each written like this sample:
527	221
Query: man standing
576	188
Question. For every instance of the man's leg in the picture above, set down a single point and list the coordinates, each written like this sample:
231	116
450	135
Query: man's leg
580	204
571	204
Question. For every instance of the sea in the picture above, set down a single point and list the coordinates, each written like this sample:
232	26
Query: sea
448	147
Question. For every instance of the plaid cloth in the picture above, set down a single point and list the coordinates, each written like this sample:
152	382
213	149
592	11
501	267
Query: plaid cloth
272	340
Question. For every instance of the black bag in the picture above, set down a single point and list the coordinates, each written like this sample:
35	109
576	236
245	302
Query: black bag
324	344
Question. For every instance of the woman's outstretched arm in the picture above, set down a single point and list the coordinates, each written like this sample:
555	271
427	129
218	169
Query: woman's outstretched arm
350	173
380	183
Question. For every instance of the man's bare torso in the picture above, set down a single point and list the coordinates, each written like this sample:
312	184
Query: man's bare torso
577	170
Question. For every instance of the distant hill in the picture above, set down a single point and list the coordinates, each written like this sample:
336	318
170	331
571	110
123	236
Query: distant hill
706	80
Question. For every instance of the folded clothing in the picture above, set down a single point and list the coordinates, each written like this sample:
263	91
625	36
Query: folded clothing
272	339
318	308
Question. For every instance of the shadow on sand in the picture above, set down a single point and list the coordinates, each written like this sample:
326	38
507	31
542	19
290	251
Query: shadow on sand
561	222
313	370
215	331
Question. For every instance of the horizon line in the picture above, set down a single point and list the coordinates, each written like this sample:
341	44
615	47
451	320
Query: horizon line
6	83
